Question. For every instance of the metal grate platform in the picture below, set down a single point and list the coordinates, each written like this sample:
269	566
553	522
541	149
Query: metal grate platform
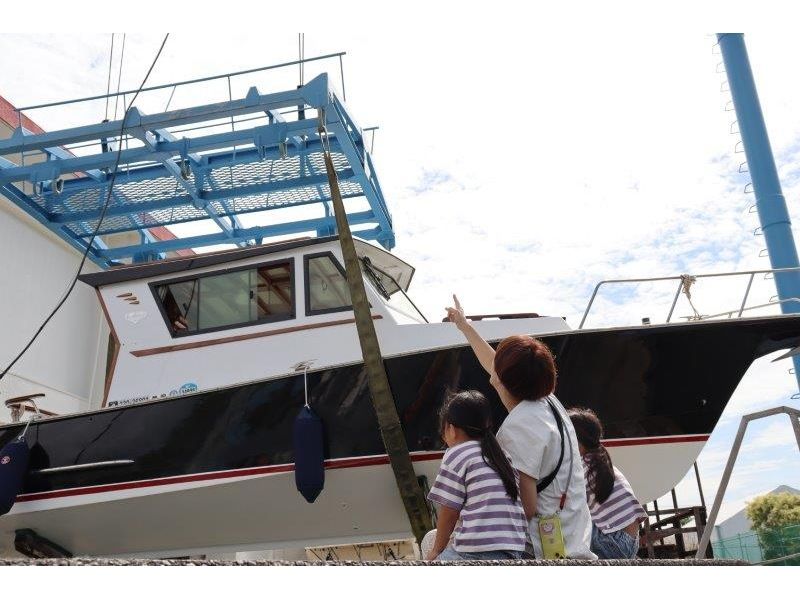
262	162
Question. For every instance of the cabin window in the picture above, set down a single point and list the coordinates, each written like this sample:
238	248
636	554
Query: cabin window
326	285
236	298
387	286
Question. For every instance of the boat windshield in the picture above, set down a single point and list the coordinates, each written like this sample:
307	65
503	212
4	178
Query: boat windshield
387	286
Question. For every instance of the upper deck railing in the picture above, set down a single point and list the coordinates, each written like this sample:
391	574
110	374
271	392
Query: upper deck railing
685	281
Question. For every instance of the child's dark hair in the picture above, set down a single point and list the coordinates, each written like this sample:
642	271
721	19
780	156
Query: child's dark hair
471	411
600	470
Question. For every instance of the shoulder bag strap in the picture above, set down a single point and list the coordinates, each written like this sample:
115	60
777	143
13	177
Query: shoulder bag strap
548	479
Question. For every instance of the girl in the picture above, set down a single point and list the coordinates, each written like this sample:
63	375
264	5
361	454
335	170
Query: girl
615	511
477	484
539	437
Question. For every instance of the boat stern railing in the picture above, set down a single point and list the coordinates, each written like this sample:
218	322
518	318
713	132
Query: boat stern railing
685	281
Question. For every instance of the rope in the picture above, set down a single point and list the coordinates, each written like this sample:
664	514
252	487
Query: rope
686	285
779	559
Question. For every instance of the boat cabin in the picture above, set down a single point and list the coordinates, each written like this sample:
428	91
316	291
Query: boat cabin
233	317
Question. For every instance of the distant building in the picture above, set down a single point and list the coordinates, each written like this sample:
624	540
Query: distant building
739	523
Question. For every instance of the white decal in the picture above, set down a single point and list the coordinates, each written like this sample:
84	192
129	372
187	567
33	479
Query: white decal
134	317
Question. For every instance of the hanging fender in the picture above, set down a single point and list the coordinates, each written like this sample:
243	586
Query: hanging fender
309	454
14	458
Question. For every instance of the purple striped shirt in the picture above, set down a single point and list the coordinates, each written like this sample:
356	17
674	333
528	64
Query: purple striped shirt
489	519
619	510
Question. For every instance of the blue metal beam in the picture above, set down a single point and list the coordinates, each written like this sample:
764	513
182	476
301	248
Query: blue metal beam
37	213
315	93
267	136
207	162
153	187
770	203
287	228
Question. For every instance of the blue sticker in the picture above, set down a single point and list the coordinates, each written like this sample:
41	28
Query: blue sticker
188	387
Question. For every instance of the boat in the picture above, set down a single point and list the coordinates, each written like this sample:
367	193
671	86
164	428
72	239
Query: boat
214	355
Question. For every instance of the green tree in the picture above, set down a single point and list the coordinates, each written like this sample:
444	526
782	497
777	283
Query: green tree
773	511
776	519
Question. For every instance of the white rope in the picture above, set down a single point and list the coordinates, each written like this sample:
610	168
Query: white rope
686	285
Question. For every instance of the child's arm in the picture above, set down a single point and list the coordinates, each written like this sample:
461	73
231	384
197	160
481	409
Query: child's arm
445	524
527	493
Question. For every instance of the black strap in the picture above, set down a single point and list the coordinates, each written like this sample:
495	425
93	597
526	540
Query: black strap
548	479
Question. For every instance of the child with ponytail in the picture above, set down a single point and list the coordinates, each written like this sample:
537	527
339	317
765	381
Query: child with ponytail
476	488
615	511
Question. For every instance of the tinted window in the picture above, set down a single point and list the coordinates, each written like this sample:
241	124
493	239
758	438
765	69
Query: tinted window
326	285
235	298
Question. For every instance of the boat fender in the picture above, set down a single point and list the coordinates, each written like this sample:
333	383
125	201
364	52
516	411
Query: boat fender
309	454
14	458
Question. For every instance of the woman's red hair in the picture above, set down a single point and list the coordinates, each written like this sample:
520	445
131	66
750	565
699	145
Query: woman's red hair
526	367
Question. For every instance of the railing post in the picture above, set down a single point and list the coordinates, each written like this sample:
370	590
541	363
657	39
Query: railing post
675	301
746	294
588	307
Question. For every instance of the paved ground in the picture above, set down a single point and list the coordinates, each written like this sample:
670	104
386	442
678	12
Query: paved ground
209	563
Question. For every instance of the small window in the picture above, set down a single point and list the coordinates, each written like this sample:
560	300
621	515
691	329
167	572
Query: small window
238	298
326	285
387	286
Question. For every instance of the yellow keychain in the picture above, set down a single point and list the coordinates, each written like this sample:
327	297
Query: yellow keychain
552	538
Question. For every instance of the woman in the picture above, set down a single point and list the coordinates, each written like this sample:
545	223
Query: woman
476	485
615	511
539	438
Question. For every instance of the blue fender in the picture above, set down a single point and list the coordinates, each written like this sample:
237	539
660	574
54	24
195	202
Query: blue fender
14	459
309	454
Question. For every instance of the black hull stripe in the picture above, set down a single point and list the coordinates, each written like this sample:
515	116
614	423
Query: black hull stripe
345	463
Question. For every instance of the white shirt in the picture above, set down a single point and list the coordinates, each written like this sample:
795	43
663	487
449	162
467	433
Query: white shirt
530	436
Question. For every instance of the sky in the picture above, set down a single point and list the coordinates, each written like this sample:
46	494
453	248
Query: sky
523	159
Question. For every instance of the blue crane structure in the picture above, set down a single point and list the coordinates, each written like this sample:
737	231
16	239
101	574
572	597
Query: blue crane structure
177	167
773	214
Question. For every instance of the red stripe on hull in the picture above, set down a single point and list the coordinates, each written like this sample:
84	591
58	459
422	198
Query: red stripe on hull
332	464
655	440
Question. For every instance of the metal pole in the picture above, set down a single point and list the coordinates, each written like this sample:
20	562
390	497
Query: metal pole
589	306
770	203
793	417
699	485
726	476
394	439
746	294
723	485
674	301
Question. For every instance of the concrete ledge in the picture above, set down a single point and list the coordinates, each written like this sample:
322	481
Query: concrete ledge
520	563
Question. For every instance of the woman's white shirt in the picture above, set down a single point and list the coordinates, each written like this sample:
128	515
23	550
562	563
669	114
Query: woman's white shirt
530	436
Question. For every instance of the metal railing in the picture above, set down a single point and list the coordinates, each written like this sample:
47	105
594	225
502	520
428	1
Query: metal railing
687	279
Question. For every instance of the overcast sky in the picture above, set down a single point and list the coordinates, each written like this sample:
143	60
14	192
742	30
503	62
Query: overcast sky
523	159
